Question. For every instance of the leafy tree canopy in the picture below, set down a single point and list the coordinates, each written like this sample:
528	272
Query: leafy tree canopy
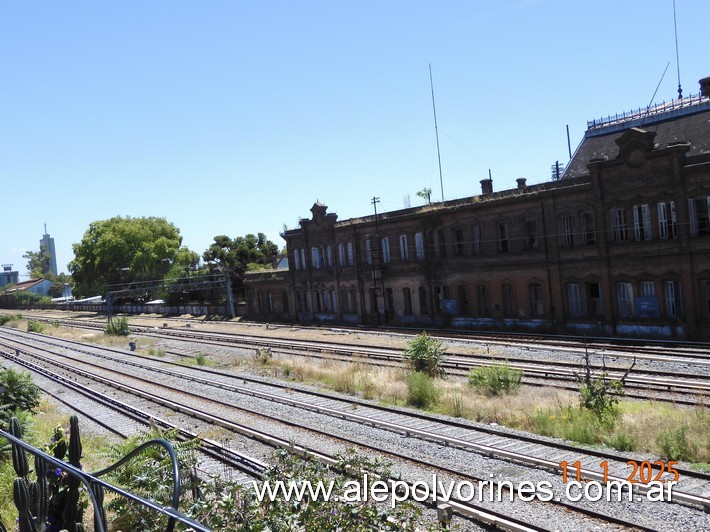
38	263
123	250
239	254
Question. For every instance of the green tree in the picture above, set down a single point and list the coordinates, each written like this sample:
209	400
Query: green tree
240	254
123	250
57	289
38	263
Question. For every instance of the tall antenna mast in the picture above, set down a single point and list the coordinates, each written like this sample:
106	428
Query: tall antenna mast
677	62
436	129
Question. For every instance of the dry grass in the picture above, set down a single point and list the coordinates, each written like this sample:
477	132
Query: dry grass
533	409
539	410
639	419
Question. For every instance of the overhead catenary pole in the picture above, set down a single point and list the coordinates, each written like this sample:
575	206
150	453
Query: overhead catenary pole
436	130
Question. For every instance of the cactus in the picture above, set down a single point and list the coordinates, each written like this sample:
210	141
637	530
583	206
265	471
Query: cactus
34	497
74	442
21	496
19	457
42	502
72	512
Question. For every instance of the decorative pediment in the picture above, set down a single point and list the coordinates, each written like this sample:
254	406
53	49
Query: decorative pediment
635	145
319	211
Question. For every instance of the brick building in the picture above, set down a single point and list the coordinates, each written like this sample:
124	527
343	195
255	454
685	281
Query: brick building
620	245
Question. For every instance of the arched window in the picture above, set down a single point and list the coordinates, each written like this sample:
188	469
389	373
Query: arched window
407	299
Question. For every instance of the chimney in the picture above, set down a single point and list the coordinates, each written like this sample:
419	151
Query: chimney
521	183
705	87
486	186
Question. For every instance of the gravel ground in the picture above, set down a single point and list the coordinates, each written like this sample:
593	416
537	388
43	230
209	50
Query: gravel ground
649	514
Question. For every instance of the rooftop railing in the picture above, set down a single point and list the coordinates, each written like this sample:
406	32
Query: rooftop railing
650	112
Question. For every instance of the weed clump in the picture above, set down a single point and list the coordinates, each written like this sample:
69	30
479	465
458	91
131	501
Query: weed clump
425	354
674	444
6	318
117	327
496	380
421	390
156	352
35	326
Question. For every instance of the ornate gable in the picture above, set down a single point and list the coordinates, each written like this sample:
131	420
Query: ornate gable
635	145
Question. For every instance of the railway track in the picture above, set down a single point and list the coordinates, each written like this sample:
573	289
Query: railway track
470	510
411	426
688	388
122	419
657	349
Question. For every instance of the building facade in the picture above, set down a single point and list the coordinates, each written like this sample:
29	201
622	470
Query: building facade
620	245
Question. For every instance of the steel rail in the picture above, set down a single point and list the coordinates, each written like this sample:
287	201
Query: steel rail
465	508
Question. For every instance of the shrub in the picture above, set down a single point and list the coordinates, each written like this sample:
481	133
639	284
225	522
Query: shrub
6	318
223	504
674	444
35	326
495	380
200	359
600	395
425	354
148	475
19	390
421	390
117	327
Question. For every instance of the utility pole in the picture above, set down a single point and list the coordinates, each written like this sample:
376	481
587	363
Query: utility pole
375	201
376	252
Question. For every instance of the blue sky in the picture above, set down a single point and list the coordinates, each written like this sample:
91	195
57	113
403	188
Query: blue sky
234	117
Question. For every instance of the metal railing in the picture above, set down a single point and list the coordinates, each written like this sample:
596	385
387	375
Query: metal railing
648	112
24	500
